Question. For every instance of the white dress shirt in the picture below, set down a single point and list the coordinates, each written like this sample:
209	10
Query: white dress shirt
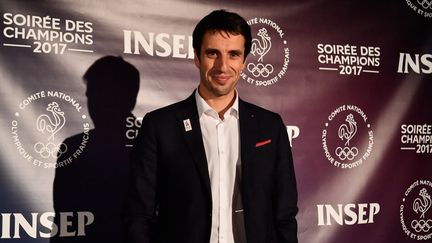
221	143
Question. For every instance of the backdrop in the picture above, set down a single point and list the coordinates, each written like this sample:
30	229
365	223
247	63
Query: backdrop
351	79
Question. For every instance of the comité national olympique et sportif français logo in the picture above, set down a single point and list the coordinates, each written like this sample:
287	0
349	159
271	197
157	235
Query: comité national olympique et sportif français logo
269	55
422	7
37	130
415	211
347	138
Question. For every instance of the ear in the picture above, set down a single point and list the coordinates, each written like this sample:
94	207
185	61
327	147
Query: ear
196	60
244	63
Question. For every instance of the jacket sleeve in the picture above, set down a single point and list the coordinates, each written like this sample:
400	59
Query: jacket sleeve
285	203
140	204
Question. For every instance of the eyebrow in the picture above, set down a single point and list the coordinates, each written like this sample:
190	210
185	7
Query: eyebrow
211	50
237	52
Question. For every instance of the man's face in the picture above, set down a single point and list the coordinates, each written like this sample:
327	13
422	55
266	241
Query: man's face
220	63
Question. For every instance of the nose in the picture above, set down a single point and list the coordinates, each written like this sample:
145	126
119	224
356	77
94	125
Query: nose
221	63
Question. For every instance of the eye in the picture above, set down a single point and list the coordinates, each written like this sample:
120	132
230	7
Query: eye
211	54
235	54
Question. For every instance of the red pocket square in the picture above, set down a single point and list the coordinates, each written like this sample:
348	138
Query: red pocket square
259	144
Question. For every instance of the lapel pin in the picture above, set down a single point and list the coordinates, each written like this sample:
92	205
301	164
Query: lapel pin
187	125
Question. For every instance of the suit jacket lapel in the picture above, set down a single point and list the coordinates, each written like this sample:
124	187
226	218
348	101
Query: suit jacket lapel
248	136
194	142
188	114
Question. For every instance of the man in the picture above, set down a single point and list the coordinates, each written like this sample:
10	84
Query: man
213	168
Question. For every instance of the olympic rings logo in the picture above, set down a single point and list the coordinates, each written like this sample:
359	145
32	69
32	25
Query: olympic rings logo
260	69
425	3
421	225
346	153
50	149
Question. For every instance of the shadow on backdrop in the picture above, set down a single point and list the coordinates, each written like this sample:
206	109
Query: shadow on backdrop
95	181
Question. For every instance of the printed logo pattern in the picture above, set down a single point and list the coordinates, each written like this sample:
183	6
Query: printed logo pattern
50	121
268	41
415	216
422	7
51	124
260	47
347	139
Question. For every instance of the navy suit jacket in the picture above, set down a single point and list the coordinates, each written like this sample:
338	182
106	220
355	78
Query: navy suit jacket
169	199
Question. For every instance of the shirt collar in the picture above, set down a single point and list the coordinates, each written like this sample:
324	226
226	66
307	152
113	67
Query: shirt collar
203	107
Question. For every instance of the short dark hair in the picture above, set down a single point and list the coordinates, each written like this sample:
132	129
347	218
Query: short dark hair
222	20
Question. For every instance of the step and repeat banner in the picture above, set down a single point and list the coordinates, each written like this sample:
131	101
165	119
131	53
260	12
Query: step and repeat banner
351	79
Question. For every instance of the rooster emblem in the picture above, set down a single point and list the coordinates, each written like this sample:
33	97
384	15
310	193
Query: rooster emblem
348	130
53	122
422	205
261	46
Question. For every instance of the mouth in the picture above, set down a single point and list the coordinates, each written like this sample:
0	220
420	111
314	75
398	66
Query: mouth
221	79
